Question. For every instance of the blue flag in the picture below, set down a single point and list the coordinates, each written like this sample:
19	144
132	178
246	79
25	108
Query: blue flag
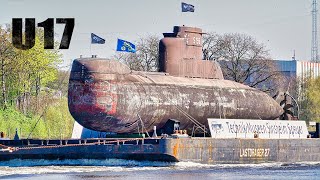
96	39
187	7
125	46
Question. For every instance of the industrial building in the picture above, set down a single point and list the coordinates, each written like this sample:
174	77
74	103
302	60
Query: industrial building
298	68
295	73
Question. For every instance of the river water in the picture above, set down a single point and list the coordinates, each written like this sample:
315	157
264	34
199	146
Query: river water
125	169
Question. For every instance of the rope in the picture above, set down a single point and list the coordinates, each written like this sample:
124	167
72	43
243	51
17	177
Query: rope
45	109
142	124
3	145
37	122
7	148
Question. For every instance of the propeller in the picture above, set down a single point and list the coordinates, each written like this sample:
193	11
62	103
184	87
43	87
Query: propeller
285	102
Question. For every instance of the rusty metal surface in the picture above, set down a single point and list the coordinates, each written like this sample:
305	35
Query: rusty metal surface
234	151
112	102
202	150
104	95
200	69
180	54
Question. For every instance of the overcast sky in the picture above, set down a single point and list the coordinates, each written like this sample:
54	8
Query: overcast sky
282	25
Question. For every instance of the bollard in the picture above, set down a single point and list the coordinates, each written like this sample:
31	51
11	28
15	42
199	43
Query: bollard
2	135
16	136
255	135
317	135
154	132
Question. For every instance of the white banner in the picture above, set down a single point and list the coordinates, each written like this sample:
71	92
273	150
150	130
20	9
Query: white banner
265	129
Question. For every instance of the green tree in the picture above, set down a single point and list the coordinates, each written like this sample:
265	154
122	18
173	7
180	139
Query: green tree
34	68
28	101
61	83
312	99
7	57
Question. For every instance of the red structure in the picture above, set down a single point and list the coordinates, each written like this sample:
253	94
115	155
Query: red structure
105	95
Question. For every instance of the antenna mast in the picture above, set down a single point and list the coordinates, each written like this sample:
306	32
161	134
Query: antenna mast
314	48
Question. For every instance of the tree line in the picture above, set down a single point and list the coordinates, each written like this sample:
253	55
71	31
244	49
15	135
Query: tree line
24	72
32	90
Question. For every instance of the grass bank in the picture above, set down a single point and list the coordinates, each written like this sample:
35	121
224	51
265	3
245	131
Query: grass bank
54	123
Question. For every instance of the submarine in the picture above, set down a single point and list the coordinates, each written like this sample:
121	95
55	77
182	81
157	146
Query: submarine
105	95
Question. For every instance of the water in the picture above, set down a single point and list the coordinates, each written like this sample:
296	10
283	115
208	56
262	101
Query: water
125	169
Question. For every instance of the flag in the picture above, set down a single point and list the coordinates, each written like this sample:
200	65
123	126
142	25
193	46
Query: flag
125	46
187	7
96	39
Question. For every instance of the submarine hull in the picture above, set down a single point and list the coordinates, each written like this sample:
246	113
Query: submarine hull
104	95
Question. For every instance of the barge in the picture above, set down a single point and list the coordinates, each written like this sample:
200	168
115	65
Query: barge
202	150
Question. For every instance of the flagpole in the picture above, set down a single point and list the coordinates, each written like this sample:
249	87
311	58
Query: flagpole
181	14
90	49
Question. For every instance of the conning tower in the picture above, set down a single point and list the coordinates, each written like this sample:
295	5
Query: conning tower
180	54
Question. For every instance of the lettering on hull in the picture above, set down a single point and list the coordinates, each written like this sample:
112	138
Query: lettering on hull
264	129
254	152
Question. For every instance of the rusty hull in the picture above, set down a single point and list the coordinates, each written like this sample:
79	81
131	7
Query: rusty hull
104	95
243	151
201	150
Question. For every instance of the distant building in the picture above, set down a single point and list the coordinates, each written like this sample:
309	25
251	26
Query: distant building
298	68
295	72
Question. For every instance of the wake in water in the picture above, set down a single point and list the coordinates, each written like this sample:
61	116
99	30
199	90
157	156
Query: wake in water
133	163
25	167
120	164
32	167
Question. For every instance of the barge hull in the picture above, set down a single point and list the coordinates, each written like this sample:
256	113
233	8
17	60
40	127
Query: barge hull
202	150
244	151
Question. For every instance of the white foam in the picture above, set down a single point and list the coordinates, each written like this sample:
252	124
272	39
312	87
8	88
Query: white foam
15	167
29	167
193	165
